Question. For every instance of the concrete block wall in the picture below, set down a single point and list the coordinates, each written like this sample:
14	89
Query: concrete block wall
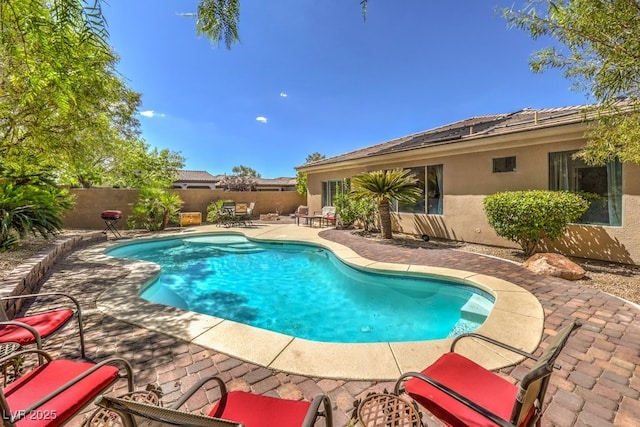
91	202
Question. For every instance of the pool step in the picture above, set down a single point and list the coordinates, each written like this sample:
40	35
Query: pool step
244	248
476	309
233	244
217	239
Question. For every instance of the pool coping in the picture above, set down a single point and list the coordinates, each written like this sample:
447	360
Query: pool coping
517	318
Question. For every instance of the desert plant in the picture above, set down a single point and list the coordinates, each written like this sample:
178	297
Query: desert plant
30	203
345	210
154	209
383	186
351	211
528	217
215	213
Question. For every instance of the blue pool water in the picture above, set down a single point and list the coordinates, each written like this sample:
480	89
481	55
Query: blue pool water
304	291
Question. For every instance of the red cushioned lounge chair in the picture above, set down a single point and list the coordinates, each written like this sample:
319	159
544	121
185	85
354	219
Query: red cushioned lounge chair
462	393
31	329
234	409
56	389
328	215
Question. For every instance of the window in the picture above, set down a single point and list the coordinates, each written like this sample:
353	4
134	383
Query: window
604	183
504	164
434	190
330	189
418	206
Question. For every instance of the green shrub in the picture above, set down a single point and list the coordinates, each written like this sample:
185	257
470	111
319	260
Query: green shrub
528	217
30	204
346	210
155	209
367	210
215	214
351	211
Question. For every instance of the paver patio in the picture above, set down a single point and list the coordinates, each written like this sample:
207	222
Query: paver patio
598	383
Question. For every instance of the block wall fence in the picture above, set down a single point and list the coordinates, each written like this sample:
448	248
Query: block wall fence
91	202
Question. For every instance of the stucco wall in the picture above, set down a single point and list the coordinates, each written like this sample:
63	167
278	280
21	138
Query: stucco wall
468	178
91	202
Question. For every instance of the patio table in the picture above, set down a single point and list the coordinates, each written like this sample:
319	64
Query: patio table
311	218
385	409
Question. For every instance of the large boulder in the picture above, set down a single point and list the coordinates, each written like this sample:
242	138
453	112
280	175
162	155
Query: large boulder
554	265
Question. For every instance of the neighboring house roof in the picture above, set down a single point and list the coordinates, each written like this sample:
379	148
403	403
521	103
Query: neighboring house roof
474	127
202	177
282	181
195	176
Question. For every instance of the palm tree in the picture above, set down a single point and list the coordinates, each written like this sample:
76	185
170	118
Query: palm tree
383	186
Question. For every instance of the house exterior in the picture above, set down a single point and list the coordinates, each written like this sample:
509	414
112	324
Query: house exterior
459	164
195	179
188	179
276	184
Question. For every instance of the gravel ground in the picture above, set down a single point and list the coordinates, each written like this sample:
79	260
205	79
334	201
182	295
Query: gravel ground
617	279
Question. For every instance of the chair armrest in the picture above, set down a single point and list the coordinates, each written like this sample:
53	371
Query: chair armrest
45	294
314	411
126	409
196	387
31	329
455	395
494	342
39	352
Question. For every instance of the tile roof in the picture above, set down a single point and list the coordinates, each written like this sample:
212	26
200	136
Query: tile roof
473	127
203	176
281	181
195	176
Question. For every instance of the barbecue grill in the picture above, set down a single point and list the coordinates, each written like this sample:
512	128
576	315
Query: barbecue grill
110	218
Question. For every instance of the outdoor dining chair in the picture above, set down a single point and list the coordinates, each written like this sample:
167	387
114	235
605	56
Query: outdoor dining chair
301	212
33	328
233	409
460	392
52	392
328	215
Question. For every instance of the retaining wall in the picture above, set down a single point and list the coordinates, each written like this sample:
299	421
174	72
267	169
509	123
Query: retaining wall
28	276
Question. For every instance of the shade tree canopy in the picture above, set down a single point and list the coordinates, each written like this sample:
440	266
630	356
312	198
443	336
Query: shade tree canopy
597	45
64	107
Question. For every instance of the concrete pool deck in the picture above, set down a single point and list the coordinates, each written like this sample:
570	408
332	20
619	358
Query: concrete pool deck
517	317
597	383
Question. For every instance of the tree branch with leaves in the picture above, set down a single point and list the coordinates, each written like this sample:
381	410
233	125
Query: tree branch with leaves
599	50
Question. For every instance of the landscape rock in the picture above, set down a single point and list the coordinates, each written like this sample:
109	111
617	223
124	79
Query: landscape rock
269	217
555	265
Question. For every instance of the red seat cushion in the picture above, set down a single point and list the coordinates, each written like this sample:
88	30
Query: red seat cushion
254	410
470	380
44	323
41	381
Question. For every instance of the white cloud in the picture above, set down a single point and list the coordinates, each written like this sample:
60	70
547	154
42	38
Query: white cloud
187	14
261	119
151	114
283	95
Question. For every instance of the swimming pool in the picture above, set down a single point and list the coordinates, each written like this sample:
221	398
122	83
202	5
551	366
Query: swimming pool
304	291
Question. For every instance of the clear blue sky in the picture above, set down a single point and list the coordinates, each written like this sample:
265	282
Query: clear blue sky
311	76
